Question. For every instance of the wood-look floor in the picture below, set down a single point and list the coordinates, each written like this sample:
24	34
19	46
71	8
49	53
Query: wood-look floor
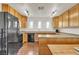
33	49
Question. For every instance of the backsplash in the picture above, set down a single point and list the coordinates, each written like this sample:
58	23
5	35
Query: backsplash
70	30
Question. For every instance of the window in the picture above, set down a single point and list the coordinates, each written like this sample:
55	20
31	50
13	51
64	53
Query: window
39	24
47	24
31	24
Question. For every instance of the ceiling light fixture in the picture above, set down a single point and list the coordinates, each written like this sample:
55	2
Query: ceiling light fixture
27	12
54	12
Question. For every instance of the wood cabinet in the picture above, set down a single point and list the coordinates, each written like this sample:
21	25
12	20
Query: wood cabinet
74	16
11	10
65	19
66	40
21	18
24	21
25	37
5	7
56	22
69	18
16	14
60	21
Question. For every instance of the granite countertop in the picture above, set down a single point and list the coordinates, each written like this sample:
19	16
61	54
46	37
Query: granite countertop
58	35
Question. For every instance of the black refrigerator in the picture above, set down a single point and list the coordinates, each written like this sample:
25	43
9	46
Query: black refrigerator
8	34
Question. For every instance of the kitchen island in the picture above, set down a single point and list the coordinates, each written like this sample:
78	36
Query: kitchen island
70	49
59	38
59	43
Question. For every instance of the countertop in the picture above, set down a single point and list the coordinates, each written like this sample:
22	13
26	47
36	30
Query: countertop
58	35
35	30
64	49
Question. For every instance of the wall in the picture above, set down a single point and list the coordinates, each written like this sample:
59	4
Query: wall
43	21
70	30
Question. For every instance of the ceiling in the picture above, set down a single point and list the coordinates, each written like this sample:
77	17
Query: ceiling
41	9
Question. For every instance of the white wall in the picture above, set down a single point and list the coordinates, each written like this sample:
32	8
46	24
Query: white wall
43	21
70	30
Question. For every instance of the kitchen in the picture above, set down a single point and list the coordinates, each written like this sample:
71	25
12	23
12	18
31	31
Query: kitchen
46	28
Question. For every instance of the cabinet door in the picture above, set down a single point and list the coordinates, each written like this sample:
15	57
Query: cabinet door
56	22
73	17
65	19
11	10
5	8
60	21
16	13
24	21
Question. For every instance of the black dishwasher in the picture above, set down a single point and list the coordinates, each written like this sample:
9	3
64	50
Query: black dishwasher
30	37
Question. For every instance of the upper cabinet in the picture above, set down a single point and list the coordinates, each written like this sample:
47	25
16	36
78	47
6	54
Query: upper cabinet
24	20
5	8
21	18
74	16
55	22
11	10
68	19
16	13
60	21
65	19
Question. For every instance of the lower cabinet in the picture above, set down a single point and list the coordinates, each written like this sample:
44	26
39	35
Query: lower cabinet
25	38
44	42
